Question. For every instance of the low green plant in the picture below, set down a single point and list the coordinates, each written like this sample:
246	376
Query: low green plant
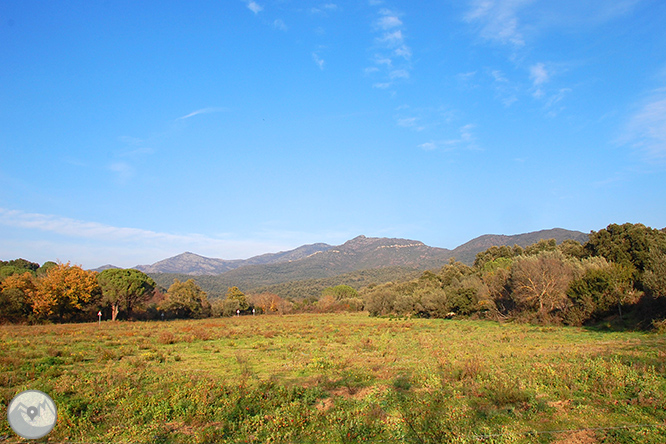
338	378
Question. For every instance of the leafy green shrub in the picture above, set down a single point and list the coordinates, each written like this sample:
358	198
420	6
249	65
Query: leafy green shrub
380	300
402	383
463	301
601	290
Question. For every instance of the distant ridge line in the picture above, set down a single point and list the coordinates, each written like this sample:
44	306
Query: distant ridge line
362	247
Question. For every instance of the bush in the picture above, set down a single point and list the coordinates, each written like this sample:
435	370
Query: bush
230	307
603	288
380	300
539	283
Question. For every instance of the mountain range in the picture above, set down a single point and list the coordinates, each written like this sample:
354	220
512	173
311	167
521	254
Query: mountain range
193	264
358	253
323	263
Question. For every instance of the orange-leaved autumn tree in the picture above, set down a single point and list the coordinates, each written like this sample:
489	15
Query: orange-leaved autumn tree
267	302
64	291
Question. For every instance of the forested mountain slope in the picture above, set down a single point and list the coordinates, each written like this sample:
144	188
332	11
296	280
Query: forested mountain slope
325	264
193	264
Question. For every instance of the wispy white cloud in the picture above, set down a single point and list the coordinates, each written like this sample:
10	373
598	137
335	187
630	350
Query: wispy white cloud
516	22
385	61
97	243
465	76
382	85
76	228
123	170
545	15
254	6
403	51
212	109
465	140
555	99
498	76
539	76
392	55
388	21
399	74
516	25
136	150
424	118
505	90
318	60
410	122
391	39
646	128
497	20
428	146
322	9
280	25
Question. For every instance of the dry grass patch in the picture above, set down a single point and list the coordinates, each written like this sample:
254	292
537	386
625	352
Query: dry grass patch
337	378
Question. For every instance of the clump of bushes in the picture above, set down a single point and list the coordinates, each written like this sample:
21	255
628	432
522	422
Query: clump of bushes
619	273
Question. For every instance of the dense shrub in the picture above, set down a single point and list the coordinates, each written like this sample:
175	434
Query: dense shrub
620	272
539	283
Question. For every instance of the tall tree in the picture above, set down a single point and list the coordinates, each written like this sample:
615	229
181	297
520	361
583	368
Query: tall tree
64	291
46	266
16	266
340	292
234	294
267	302
496	252
124	289
540	282
15	293
603	287
627	244
186	300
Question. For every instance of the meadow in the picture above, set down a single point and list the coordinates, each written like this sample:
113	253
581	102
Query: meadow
339	378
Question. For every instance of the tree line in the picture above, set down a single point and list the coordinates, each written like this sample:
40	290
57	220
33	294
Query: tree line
618	274
57	292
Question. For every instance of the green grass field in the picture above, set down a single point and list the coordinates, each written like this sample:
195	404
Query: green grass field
339	378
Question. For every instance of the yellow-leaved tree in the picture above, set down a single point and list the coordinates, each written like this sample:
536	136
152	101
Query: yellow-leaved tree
65	291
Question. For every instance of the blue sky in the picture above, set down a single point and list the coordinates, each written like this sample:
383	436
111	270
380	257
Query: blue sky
134	131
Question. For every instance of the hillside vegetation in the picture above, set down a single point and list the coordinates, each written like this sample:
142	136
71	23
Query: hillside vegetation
362	254
217	286
194	264
618	276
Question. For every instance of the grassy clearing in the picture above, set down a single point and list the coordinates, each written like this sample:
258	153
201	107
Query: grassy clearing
339	378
